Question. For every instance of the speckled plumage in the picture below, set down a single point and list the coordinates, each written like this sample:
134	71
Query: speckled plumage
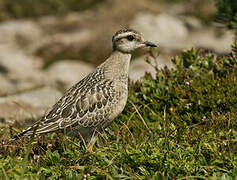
94	102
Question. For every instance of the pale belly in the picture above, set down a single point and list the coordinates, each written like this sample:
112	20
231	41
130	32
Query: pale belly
118	105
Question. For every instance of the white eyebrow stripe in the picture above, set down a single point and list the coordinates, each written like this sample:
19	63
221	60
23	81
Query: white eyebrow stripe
124	35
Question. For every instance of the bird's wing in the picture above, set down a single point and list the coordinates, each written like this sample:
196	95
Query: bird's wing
85	105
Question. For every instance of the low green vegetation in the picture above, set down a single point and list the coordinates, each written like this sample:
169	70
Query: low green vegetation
227	13
182	124
15	9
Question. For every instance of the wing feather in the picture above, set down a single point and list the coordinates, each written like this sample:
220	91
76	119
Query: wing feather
85	104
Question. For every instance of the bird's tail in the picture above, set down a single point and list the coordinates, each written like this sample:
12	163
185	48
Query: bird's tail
25	133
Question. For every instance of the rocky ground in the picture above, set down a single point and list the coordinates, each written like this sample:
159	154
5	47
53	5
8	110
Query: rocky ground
41	58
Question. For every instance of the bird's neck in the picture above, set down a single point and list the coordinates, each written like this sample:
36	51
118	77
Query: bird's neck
117	65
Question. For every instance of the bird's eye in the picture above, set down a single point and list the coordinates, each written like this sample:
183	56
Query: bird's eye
130	37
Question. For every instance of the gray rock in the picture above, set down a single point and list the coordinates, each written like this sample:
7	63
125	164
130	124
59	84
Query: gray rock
22	32
139	66
208	38
20	68
28	105
76	35
58	42
170	32
164	29
67	72
192	22
6	86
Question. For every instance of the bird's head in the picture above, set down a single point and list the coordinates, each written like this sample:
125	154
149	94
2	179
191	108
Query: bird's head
128	40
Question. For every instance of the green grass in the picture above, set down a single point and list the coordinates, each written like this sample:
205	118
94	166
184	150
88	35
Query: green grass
180	125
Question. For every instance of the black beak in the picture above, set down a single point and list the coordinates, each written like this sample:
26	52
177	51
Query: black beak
147	43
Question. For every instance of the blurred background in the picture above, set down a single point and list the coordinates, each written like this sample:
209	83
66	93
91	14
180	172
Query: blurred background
46	46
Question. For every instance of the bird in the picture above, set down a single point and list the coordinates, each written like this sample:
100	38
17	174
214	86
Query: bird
92	104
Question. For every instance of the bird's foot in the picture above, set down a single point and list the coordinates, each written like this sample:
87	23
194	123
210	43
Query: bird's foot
89	148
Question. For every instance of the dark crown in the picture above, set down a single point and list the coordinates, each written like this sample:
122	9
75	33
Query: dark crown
123	31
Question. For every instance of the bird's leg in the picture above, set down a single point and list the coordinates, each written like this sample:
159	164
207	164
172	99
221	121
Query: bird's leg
92	142
82	141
